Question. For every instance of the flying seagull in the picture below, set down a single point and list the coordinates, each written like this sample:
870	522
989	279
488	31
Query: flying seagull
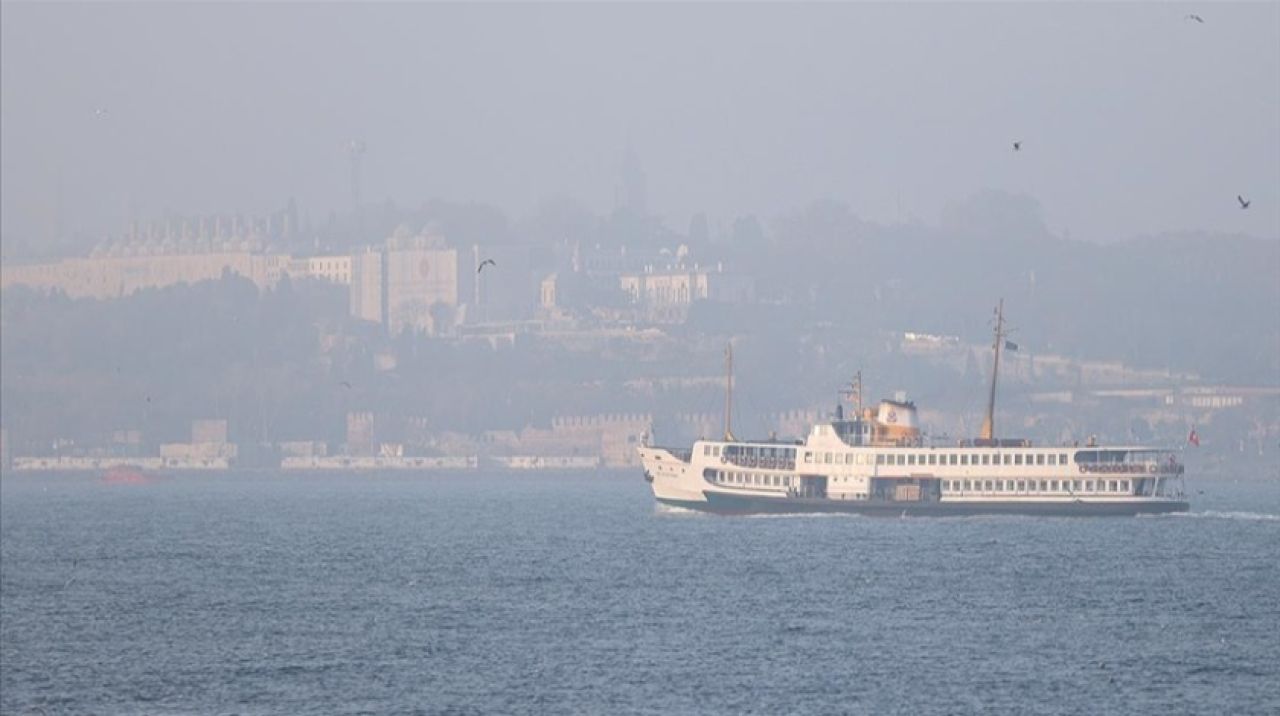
345	384
486	262
1244	203
100	112
1017	146
1195	17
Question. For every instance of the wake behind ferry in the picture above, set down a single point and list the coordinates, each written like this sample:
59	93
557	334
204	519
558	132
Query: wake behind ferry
874	461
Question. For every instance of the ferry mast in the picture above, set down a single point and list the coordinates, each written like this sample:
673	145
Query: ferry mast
854	393
728	394
988	423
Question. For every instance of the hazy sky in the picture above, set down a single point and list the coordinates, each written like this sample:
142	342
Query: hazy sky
1133	118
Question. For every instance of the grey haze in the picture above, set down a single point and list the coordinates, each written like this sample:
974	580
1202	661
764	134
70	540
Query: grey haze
1133	119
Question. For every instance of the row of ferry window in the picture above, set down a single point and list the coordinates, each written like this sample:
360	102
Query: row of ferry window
747	478
753	479
756	451
1035	485
935	458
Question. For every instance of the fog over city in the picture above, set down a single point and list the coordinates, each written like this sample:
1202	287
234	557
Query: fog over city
1133	119
487	231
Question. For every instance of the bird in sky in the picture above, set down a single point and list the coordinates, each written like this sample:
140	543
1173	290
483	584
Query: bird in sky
100	112
345	384
1195	17
1017	146
1244	203
486	262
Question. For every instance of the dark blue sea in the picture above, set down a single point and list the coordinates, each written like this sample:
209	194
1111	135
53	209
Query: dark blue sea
488	594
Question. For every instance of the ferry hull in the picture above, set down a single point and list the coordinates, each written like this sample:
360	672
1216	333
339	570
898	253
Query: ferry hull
720	503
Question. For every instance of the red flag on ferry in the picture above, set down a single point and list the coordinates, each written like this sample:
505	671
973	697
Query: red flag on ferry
1193	438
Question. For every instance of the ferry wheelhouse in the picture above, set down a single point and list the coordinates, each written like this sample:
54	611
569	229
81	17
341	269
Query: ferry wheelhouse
875	461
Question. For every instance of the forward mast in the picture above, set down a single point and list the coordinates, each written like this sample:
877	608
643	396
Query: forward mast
988	422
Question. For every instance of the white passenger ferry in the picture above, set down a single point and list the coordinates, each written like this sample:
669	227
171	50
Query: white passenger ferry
875	461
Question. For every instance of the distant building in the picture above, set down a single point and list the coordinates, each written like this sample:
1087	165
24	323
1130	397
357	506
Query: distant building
127	437
334	269
208	444
666	294
209	431
419	278
367	301
197	451
612	438
303	448
104	277
166	252
410	283
360	433
547	293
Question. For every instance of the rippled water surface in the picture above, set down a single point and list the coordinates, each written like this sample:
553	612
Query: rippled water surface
575	594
